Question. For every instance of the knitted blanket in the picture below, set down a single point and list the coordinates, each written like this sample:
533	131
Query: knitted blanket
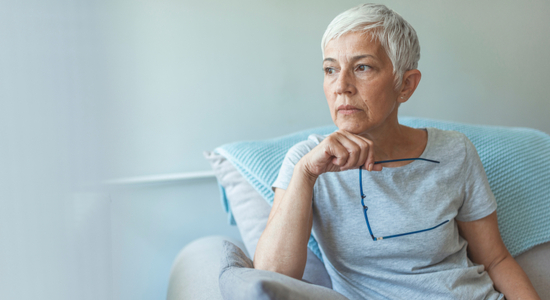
516	160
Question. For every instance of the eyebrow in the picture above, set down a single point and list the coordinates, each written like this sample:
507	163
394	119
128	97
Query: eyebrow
355	58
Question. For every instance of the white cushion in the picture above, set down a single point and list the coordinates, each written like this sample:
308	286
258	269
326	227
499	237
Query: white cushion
251	212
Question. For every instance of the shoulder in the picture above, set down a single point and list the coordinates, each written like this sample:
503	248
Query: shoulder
455	151
451	137
450	143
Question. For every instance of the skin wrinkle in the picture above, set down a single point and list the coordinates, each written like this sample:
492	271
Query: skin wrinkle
372	91
496	262
343	88
374	122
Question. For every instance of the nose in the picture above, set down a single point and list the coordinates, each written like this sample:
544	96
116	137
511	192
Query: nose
344	83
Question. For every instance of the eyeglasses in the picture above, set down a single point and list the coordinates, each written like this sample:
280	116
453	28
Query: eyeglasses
365	208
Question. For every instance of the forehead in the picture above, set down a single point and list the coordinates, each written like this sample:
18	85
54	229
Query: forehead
354	44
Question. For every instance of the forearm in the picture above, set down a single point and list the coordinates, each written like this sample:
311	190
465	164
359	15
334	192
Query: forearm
511	280
282	247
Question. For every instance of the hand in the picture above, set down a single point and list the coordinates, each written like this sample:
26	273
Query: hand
340	151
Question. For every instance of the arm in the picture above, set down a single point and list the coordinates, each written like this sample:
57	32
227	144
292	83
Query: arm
485	246
282	247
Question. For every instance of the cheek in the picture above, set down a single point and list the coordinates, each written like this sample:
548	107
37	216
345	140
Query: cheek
331	98
377	94
326	88
328	94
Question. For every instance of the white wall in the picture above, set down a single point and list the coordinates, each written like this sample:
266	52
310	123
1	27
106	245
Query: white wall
185	77
91	90
48	92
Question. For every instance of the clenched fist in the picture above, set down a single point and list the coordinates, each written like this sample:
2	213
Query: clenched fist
340	151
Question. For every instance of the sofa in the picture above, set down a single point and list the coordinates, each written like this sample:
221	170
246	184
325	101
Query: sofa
217	267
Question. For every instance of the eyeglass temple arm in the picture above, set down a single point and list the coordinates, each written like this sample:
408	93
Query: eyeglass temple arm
363	202
365	208
404	159
387	161
402	234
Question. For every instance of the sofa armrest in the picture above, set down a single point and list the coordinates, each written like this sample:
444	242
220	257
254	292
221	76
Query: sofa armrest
195	271
536	264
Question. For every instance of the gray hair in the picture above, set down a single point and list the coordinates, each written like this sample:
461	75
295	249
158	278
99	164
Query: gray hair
395	34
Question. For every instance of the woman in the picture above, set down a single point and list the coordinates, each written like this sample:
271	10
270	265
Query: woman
422	222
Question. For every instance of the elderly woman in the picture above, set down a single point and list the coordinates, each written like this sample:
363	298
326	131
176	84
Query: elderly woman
398	212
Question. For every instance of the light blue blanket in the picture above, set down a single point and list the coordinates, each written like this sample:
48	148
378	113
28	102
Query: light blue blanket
516	160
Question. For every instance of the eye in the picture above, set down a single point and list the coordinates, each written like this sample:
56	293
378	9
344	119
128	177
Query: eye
329	70
362	68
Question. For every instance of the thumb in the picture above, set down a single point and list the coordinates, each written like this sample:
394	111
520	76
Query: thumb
377	167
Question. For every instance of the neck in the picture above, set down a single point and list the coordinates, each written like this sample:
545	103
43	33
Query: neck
393	141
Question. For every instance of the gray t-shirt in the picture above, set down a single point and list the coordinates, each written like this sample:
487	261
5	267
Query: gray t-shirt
420	195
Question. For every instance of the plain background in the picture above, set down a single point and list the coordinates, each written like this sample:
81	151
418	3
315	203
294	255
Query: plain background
96	90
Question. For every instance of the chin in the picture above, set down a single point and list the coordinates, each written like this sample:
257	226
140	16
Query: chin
352	127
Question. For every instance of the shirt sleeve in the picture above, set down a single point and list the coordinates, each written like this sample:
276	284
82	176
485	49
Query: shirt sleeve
292	157
479	200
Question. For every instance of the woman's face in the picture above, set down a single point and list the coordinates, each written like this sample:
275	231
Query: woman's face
359	83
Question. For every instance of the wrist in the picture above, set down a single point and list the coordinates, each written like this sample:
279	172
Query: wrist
305	171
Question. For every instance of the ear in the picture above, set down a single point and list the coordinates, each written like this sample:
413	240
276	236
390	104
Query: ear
411	79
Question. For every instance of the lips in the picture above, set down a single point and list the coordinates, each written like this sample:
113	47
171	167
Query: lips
348	109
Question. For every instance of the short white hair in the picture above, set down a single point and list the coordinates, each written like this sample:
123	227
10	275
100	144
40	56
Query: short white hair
395	34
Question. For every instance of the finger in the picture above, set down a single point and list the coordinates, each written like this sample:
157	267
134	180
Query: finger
370	160
369	163
377	167
365	148
339	153
354	151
